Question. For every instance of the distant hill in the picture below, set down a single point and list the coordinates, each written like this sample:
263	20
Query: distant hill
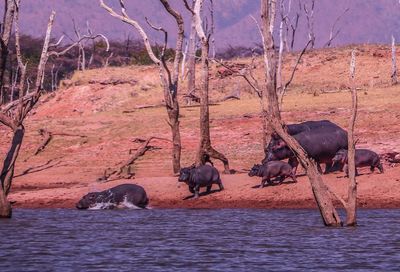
368	21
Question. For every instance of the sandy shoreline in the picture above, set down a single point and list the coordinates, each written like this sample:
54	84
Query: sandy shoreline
374	191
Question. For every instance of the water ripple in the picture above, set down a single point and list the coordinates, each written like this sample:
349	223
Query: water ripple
196	240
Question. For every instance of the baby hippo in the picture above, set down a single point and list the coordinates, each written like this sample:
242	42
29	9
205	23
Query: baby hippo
201	176
272	169
121	196
363	158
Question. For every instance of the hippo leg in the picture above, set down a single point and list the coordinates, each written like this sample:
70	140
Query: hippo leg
372	168
293	176
191	189
281	179
293	163
196	191
328	168
209	188
380	167
221	187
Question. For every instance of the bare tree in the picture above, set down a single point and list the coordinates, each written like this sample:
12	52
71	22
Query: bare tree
273	118
292	24
205	149
14	120
394	65
333	34
323	195
351	204
169	80
310	22
14	114
213	51
191	57
81	65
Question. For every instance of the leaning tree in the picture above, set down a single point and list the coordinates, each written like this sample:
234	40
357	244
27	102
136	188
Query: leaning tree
169	80
272	117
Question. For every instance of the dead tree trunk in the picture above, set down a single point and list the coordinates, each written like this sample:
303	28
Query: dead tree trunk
191	58
394	65
13	115
7	171
351	206
205	149
6	27
169	80
310	22
272	114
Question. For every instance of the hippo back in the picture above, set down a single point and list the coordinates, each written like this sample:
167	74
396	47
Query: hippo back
124	195
204	175
320	144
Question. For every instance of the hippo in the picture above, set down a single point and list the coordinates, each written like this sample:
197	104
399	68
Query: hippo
293	129
121	196
363	158
321	144
272	169
201	176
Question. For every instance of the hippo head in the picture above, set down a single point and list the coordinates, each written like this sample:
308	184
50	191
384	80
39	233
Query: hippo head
255	170
184	174
87	201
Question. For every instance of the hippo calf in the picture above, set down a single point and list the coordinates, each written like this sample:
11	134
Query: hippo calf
201	176
121	196
363	158
272	169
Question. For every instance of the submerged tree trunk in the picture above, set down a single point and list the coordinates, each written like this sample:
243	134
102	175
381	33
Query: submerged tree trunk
7	171
272	114
5	206
351	218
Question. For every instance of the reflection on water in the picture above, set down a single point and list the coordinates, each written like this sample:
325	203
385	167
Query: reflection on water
196	240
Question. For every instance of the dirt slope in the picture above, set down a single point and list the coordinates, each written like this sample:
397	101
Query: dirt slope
110	117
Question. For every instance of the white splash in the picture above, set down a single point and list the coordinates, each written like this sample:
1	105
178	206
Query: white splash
103	206
128	205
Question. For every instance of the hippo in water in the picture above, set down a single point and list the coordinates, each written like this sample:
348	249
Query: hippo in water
363	158
121	196
272	169
201	176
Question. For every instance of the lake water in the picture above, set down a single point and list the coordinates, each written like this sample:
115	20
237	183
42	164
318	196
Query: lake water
196	240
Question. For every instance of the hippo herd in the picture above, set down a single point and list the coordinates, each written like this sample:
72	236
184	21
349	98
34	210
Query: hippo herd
323	140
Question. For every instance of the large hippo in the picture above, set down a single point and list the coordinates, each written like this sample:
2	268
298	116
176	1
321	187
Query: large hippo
201	176
121	196
293	129
363	158
271	170
321	144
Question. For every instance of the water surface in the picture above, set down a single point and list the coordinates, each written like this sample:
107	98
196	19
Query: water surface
196	240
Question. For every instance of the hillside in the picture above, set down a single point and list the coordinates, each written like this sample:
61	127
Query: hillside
234	25
111	116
